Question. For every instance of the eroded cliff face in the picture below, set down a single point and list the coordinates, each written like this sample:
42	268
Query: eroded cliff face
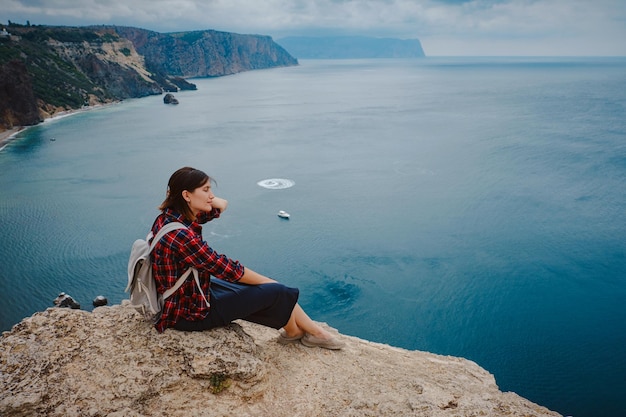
64	68
205	53
18	105
114	67
64	362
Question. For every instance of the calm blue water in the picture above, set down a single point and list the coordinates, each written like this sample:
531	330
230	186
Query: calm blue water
467	207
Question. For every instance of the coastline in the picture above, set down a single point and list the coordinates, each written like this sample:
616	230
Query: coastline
7	136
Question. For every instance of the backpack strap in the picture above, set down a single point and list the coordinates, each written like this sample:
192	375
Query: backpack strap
162	232
182	279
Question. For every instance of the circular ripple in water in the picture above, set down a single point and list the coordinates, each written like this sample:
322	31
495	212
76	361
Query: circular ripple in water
276	183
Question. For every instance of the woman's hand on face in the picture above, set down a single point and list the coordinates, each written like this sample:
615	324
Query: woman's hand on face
219	203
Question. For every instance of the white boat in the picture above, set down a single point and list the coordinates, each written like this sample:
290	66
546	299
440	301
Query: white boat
283	214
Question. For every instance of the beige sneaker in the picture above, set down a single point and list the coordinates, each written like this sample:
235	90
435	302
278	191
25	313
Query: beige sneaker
283	339
334	343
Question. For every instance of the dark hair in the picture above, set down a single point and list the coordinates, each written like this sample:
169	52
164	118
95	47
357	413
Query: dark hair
185	178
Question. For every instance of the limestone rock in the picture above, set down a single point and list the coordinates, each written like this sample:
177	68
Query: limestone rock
64	362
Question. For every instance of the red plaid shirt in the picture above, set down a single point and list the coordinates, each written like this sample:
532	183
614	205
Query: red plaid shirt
174	254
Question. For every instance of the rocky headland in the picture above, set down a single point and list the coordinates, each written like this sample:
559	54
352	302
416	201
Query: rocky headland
64	362
45	70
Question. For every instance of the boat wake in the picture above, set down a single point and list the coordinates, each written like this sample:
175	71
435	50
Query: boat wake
276	183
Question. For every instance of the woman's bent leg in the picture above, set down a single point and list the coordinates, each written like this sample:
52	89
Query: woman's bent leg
267	304
300	324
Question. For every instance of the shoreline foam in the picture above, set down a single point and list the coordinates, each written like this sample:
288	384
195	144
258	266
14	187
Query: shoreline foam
7	136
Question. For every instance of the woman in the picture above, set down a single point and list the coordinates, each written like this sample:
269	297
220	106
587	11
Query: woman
237	292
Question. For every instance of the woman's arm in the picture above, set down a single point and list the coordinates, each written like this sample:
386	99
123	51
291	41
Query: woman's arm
249	276
254	278
219	203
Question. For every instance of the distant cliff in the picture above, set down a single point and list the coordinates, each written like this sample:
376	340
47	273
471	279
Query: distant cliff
353	47
205	53
47	69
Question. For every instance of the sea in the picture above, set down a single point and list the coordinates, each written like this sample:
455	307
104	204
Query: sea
472	207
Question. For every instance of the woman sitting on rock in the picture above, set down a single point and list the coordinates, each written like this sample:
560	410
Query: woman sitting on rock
236	292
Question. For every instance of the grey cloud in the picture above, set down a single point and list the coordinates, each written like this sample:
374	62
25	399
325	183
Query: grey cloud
473	22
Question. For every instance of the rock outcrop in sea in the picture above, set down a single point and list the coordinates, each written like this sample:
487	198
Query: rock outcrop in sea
64	362
170	99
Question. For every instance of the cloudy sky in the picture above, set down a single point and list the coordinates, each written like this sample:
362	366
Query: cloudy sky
445	27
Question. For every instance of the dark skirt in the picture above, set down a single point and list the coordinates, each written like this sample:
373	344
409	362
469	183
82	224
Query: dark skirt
268	304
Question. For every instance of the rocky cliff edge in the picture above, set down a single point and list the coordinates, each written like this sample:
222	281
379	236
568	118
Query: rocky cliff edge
64	362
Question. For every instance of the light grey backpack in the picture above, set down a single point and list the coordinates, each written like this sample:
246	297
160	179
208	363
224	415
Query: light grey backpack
141	284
